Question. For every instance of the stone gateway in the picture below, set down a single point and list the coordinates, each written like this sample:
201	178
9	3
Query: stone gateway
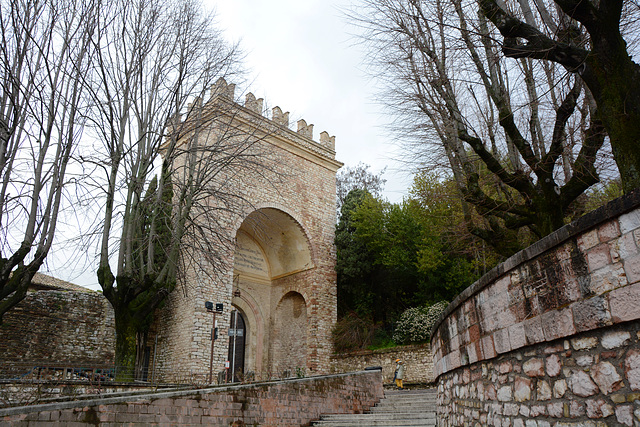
276	280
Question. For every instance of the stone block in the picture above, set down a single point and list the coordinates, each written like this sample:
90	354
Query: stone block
624	415
625	303
501	341
521	389
623	247
505	393
533	330
632	369
609	231
533	367
488	348
629	221
591	314
554	365
558	324
598	408
473	352
511	409
584	343
517	336
580	384
555	410
606	377
632	268
606	279
543	391
615	339
599	257
588	240
576	409
538	411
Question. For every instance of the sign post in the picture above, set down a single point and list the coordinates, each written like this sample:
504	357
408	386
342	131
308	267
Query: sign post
218	309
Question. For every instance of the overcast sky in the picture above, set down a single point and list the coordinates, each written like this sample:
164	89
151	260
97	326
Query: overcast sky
302	57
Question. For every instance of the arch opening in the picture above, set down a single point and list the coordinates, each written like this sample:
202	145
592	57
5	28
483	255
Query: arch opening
271	259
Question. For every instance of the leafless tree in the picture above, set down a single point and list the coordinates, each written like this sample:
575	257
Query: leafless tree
164	158
600	56
519	137
45	50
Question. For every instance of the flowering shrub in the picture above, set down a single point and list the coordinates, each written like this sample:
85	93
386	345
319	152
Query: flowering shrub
415	323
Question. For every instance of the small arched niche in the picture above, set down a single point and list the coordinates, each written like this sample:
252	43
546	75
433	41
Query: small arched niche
289	339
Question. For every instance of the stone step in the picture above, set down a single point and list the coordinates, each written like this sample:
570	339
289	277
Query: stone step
398	408
410	400
374	422
388	416
390	409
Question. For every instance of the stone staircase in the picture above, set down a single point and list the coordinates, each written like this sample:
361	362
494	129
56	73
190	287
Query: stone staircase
398	408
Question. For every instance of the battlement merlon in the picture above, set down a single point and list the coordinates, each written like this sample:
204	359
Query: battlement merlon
224	92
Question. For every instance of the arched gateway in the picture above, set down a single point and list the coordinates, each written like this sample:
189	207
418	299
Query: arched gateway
276	282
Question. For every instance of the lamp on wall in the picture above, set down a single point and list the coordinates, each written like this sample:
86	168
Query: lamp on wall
219	308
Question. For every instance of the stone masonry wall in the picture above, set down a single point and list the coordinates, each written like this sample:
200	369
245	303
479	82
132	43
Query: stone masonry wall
282	403
417	359
59	328
298	180
549	337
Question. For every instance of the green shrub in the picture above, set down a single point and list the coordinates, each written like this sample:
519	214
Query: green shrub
414	325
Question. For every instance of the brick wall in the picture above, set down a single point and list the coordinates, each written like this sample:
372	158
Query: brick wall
59	327
549	337
417	359
283	403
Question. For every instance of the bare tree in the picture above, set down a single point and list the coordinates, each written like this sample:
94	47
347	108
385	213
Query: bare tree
519	137
45	50
169	158
601	58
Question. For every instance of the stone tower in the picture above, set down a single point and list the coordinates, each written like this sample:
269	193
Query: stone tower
276	280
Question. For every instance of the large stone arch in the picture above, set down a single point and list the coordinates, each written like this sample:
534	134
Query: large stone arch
271	246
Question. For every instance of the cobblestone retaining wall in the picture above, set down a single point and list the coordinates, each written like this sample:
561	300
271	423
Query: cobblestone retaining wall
417	359
283	403
58	327
549	337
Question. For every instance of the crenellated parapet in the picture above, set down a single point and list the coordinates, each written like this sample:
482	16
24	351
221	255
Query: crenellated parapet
278	123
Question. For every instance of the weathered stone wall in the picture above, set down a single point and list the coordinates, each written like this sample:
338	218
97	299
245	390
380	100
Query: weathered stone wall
59	328
283	403
549	337
590	377
417	359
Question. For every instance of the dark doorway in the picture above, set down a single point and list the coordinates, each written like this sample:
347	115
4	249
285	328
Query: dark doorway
145	368
237	333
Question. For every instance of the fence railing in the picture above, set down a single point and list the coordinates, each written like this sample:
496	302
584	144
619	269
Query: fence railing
28	384
67	373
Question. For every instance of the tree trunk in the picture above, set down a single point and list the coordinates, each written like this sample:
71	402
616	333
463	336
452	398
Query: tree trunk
141	344
614	81
125	347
